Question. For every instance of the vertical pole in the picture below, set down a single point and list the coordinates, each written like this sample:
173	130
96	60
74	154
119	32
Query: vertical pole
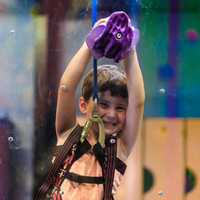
174	22
45	100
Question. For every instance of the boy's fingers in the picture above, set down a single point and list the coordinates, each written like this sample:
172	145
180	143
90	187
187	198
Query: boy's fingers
101	21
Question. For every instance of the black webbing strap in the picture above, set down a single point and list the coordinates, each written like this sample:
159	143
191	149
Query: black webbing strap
120	166
109	170
99	154
84	179
82	148
73	138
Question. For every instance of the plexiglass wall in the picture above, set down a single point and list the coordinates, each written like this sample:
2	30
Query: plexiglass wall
38	38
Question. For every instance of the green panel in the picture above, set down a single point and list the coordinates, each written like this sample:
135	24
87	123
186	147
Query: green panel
189	70
154	4
159	5
190	5
153	53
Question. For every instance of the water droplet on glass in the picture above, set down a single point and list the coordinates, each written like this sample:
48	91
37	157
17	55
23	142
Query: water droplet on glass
161	193
162	91
12	31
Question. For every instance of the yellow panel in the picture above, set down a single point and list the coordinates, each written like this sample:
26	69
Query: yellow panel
193	155
164	156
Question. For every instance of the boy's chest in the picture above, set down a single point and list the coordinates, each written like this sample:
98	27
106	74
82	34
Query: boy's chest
88	166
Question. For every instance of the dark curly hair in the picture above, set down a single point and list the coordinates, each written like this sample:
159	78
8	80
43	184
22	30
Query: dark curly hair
109	78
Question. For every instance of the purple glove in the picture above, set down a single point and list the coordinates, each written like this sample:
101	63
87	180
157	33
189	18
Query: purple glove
115	39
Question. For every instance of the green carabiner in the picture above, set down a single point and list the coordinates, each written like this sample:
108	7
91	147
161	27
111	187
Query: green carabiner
94	119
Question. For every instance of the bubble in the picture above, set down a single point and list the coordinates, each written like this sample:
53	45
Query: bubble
162	91
12	31
161	193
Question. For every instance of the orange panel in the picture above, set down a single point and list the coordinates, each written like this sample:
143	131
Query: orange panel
193	156
164	156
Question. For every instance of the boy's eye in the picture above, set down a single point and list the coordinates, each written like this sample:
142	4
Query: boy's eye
103	105
121	109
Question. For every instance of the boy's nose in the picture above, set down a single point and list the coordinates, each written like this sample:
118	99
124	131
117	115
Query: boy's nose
111	113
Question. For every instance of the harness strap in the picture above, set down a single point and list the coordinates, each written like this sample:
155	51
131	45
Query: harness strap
81	149
120	166
60	158
99	153
109	170
84	179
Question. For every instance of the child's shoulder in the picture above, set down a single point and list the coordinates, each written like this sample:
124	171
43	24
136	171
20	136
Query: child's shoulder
63	137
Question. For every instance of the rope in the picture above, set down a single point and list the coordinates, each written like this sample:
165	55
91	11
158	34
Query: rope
95	118
95	85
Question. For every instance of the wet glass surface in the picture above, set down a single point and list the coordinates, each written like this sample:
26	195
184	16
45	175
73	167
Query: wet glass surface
38	38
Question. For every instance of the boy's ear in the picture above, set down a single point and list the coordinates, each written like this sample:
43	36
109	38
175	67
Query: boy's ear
82	105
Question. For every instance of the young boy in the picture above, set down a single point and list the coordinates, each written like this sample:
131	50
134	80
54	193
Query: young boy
120	107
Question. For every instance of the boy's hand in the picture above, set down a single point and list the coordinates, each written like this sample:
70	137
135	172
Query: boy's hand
101	21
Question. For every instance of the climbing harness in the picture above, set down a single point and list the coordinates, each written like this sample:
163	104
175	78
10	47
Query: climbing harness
71	151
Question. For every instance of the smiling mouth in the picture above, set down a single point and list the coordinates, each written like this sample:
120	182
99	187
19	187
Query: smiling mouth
110	124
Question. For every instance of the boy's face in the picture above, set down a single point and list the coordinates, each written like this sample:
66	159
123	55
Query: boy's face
112	110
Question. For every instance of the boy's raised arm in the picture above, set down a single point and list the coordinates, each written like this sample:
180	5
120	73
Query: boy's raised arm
136	99
66	102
